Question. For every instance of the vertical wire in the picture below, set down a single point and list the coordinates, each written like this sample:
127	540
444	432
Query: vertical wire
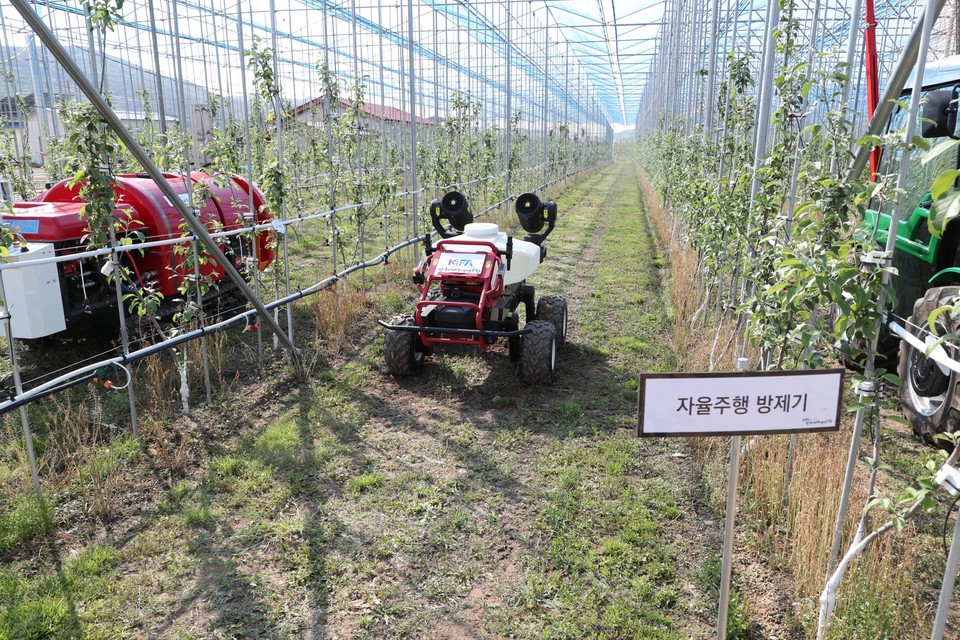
250	178
158	74
385	219
278	113
413	118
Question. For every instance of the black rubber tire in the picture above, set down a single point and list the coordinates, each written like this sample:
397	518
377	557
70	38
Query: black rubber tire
852	352
928	394
553	309
402	350
538	353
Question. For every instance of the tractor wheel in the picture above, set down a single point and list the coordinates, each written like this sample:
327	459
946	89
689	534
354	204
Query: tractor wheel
402	350
553	309
927	393
538	353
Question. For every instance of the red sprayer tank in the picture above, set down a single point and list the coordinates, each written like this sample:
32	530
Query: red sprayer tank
145	215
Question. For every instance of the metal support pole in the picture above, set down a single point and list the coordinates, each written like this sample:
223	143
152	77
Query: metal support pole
852	41
545	177
248	145
124	337
202	318
766	96
161	108
507	142
728	533
413	118
712	68
92	49
278	112
149	167
895	86
946	589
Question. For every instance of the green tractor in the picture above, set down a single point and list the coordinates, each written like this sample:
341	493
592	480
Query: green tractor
928	262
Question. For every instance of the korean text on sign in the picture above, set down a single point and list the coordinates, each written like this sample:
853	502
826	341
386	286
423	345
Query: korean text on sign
740	405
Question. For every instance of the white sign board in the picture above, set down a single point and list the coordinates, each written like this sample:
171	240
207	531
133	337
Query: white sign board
739	403
469	264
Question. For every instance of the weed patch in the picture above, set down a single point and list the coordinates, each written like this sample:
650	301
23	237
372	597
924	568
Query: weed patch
25	519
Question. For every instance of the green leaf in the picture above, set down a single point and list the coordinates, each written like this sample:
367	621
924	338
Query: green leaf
892	378
900	103
945	209
932	318
944	182
882	503
936	343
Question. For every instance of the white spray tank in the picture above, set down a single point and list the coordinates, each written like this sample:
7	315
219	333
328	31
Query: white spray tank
526	255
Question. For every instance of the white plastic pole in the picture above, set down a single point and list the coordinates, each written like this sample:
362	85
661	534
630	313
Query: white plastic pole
946	589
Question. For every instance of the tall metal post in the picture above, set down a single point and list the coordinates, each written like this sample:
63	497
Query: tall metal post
729	521
413	117
546	94
91	47
894	86
278	112
852	40
946	589
124	337
712	67
250	181
766	95
507	142
161	107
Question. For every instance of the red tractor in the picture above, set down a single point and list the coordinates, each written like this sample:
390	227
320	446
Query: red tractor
471	285
77	298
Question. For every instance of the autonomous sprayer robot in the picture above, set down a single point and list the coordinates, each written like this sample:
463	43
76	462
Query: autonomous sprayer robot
472	283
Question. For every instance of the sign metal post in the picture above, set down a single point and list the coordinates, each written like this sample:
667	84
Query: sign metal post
725	566
736	404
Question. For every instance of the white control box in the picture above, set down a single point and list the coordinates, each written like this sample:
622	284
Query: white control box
33	292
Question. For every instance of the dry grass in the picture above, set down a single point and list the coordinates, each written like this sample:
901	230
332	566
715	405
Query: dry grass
82	454
166	446
819	464
157	381
334	312
693	340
